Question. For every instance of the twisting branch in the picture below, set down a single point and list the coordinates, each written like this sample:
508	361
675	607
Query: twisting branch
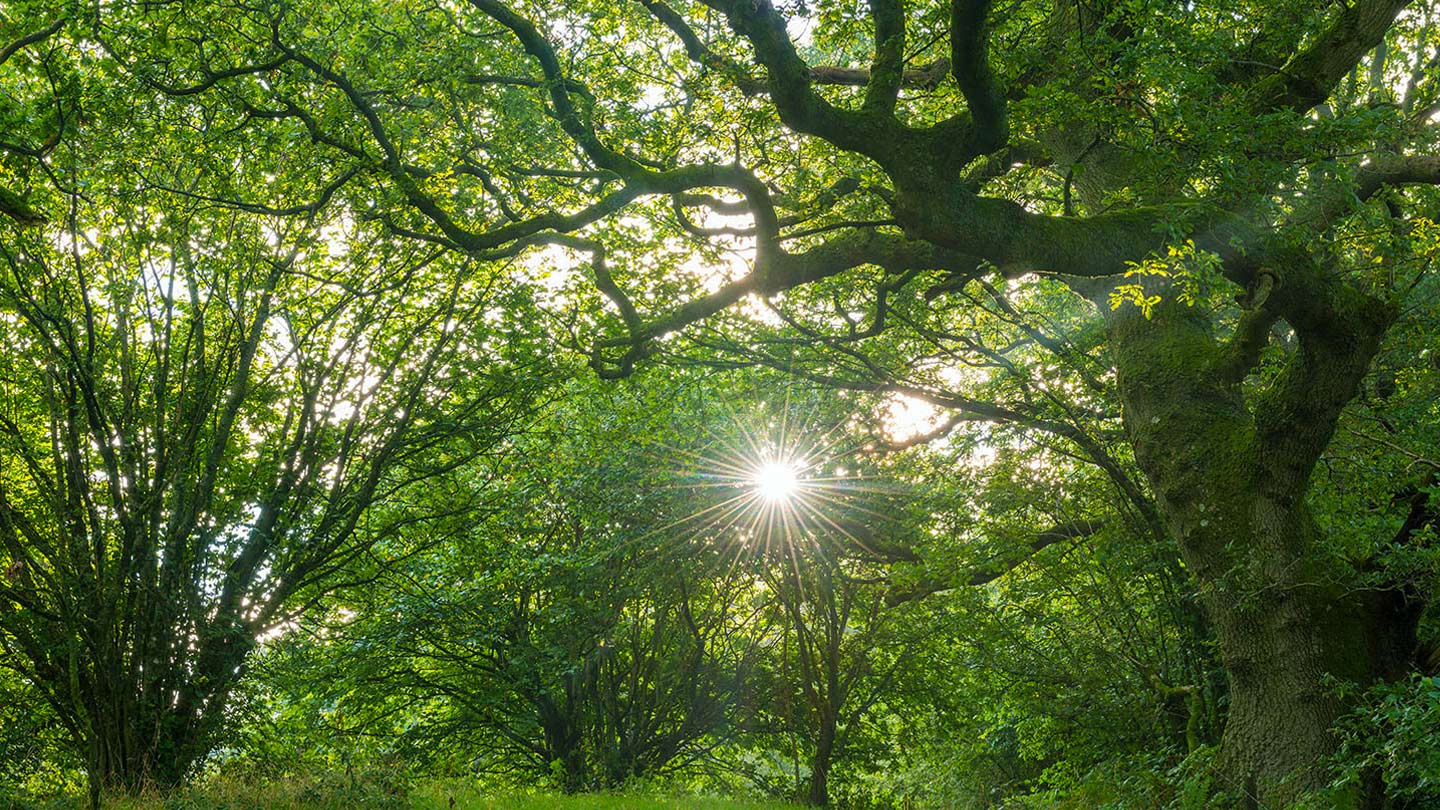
31	39
573	118
1308	78
1242	352
776	271
13	205
791	87
1000	565
969	55
938	150
886	71
927	76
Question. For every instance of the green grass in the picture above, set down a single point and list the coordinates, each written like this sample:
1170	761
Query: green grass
438	799
339	794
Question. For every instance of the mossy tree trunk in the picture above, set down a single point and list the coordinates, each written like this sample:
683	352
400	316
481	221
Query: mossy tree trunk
1230	462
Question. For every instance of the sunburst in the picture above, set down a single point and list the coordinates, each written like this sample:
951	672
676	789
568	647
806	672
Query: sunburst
777	488
776	481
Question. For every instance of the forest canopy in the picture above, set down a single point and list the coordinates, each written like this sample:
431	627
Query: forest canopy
874	404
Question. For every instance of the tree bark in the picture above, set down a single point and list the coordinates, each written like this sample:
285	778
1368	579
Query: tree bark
1231	477
819	795
127	753
1287	644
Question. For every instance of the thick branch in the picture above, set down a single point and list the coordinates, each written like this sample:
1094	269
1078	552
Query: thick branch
969	54
1308	78
31	39
927	76
1396	170
776	271
1339	329
17	208
886	71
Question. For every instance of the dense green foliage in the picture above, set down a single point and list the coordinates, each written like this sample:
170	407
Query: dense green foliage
877	404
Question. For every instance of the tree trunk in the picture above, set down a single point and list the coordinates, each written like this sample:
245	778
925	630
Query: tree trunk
562	742
1293	621
132	747
819	795
1288	642
145	726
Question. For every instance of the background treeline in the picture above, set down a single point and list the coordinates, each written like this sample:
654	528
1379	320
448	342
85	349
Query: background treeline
578	608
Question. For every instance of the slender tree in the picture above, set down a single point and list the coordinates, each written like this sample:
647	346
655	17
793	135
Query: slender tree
199	408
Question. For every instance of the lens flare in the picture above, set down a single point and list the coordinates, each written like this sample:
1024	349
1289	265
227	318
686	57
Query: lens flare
776	481
773	488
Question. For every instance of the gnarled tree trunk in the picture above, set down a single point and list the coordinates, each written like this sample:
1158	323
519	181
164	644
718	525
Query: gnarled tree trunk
1231	467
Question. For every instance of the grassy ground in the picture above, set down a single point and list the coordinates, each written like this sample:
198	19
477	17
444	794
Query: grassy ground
437	796
595	802
340	795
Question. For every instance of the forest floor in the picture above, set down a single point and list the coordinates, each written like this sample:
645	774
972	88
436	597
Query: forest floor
431	796
437	798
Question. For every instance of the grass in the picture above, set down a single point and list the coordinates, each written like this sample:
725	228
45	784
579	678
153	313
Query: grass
338	793
439	800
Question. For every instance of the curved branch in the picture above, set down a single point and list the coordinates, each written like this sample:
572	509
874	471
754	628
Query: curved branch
1310	75
969	55
993	569
776	271
31	39
886	71
575	120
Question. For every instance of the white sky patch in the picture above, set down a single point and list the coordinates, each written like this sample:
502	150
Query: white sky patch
756	309
982	456
653	97
799	27
905	418
551	268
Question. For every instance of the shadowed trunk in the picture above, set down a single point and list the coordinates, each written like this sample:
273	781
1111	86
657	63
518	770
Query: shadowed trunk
819	795
1288	639
146	726
1231	470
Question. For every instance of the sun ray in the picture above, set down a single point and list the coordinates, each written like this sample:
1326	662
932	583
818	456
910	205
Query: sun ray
772	489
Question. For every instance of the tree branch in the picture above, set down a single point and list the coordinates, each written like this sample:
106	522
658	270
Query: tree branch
31	39
886	71
999	566
774	272
969	55
1308	78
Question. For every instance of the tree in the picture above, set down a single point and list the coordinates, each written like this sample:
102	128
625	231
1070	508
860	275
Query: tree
573	628
200	406
842	660
1236	196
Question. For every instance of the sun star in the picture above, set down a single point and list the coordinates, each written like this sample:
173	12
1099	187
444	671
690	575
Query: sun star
776	481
